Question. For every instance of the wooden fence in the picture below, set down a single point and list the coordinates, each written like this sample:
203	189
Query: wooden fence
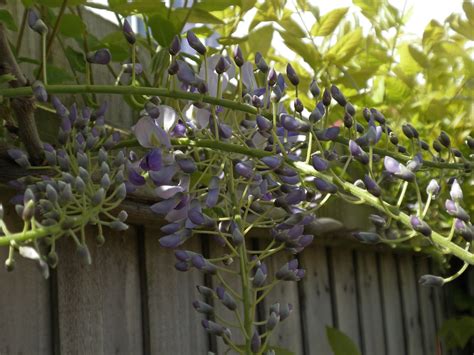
132	301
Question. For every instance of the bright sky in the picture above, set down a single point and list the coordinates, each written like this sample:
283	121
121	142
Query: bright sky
423	11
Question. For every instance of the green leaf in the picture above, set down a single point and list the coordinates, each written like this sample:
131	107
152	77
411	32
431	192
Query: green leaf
340	343
370	8
305	50
468	8
419	56
71	26
259	40
396	89
76	59
462	27
56	75
8	20
5	78
457	331
345	48
57	3
247	4
117	46
291	26
163	30
407	63
147	7
328	23
433	33
216	5
197	15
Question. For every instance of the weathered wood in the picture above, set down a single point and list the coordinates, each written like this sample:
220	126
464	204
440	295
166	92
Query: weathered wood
392	305
175	327
426	300
288	333
316	299
99	305
411	309
25	302
370	303
344	293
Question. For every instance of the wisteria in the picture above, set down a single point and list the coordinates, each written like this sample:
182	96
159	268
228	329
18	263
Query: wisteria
227	149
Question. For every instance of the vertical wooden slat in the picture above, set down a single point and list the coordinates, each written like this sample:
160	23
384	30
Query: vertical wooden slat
175	327
392	305
370	303
234	282
344	297
99	305
25	309
288	333
426	299
317	312
411	309
25	302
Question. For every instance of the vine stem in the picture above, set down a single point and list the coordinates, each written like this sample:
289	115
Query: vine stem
183	95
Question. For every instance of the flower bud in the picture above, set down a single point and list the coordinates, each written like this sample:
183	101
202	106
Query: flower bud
433	188
272	321
175	46
195	43
420	226
444	139
338	96
84	254
203	307
39	91
372	186
315	115
212	327
263	124
357	152
226	298
431	280
222	65
118	226
19	157
326	97
378	221
128	32
128	68
100	56
349	108
298	105
255	342
456	191
457	211
470	142
260	63
35	23
291	74
408	131
314	89
238	56
259	278
325	186
367	237
98	198
319	164
272	77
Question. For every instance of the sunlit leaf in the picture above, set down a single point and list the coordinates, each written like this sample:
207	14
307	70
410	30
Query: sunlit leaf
407	63
340	343
419	56
346	47
468	8
328	23
215	5
433	33
258	40
148	7
370	8
197	15
305	50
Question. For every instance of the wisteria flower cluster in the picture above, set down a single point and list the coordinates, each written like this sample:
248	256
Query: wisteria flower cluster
81	184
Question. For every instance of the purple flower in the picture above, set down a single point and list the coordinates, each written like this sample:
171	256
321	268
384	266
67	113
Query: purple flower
290	271
358	153
149	134
315	115
398	169
420	226
263	124
319	164
372	186
135	178
244	169
464	230
457	211
291	74
213	192
175	240
238	56
325	186
152	160
456	191
100	56
128	32
186	164
163	207
195	43
273	161
175	46
328	134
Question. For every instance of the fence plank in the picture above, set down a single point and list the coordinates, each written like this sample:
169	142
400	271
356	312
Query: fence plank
344	293
175	327
317	304
370	303
288	333
99	305
392	306
411	309
428	318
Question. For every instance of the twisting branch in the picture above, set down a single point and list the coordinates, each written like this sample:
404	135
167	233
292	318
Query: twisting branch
23	106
